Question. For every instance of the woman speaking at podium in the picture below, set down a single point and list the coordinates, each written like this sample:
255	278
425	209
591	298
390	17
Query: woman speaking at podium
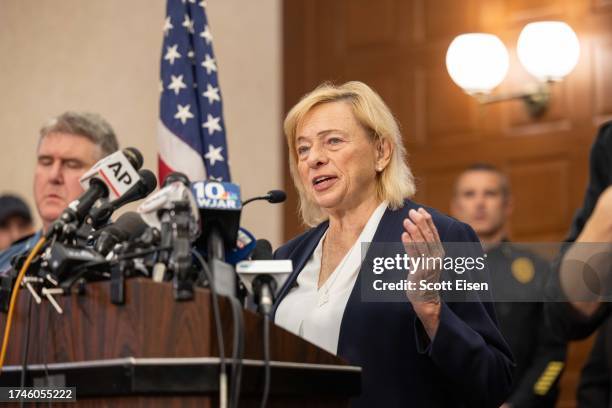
348	163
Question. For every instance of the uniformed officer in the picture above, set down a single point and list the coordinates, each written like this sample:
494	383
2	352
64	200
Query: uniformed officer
15	220
482	199
68	146
581	287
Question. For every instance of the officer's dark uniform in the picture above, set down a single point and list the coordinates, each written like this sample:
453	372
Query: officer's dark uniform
594	387
566	321
19	247
518	278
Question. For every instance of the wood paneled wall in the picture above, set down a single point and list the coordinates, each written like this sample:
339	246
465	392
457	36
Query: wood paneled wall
398	47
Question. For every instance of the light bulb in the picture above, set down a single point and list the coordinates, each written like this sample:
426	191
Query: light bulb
477	62
549	50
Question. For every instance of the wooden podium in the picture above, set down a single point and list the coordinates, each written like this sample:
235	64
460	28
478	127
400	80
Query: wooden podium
155	351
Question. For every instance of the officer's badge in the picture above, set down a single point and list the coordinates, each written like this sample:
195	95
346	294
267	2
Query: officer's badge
523	270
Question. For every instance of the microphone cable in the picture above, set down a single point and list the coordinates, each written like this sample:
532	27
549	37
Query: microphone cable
26	346
11	311
219	330
43	344
238	335
266	353
238	351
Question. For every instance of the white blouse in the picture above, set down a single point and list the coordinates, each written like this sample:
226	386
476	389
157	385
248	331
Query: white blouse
316	313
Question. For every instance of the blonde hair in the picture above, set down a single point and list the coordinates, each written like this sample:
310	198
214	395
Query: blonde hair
394	183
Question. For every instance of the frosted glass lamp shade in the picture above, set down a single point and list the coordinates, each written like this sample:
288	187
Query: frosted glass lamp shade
549	50
477	62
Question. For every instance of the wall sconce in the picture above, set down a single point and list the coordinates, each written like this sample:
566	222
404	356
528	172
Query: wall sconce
478	62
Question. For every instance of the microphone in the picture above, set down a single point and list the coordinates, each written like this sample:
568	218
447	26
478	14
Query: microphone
99	216
127	230
119	171
245	242
173	211
111	176
276	196
134	157
220	207
273	197
262	251
61	260
128	226
176	176
165	201
263	276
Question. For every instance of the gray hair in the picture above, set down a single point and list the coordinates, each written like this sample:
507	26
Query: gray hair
89	125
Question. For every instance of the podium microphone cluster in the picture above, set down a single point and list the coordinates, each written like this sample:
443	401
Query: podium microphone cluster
112	176
99	216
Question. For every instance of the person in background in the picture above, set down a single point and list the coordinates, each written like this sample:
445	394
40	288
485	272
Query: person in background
594	385
68	146
580	292
15	220
348	163
482	199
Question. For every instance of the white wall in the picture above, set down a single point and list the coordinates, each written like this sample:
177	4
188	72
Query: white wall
103	56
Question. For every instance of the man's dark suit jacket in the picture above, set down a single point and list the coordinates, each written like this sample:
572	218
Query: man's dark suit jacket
468	363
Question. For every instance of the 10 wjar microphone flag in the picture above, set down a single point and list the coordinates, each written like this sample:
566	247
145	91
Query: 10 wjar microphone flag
191	130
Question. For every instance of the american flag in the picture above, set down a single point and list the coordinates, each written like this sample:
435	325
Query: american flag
191	133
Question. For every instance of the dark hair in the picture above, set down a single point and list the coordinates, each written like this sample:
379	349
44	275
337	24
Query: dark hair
13	206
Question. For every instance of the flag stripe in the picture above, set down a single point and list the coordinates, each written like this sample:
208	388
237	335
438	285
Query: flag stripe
178	156
162	169
191	134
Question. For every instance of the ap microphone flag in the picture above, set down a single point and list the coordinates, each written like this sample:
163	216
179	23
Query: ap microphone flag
191	131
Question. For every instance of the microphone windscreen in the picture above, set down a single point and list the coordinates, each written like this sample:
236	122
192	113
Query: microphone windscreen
276	196
149	181
130	223
262	250
134	157
176	176
128	226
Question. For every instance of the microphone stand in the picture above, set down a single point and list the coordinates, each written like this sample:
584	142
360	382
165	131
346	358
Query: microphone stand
180	257
224	276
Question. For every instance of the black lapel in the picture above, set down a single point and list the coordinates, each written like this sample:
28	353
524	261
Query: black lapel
389	230
300	255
